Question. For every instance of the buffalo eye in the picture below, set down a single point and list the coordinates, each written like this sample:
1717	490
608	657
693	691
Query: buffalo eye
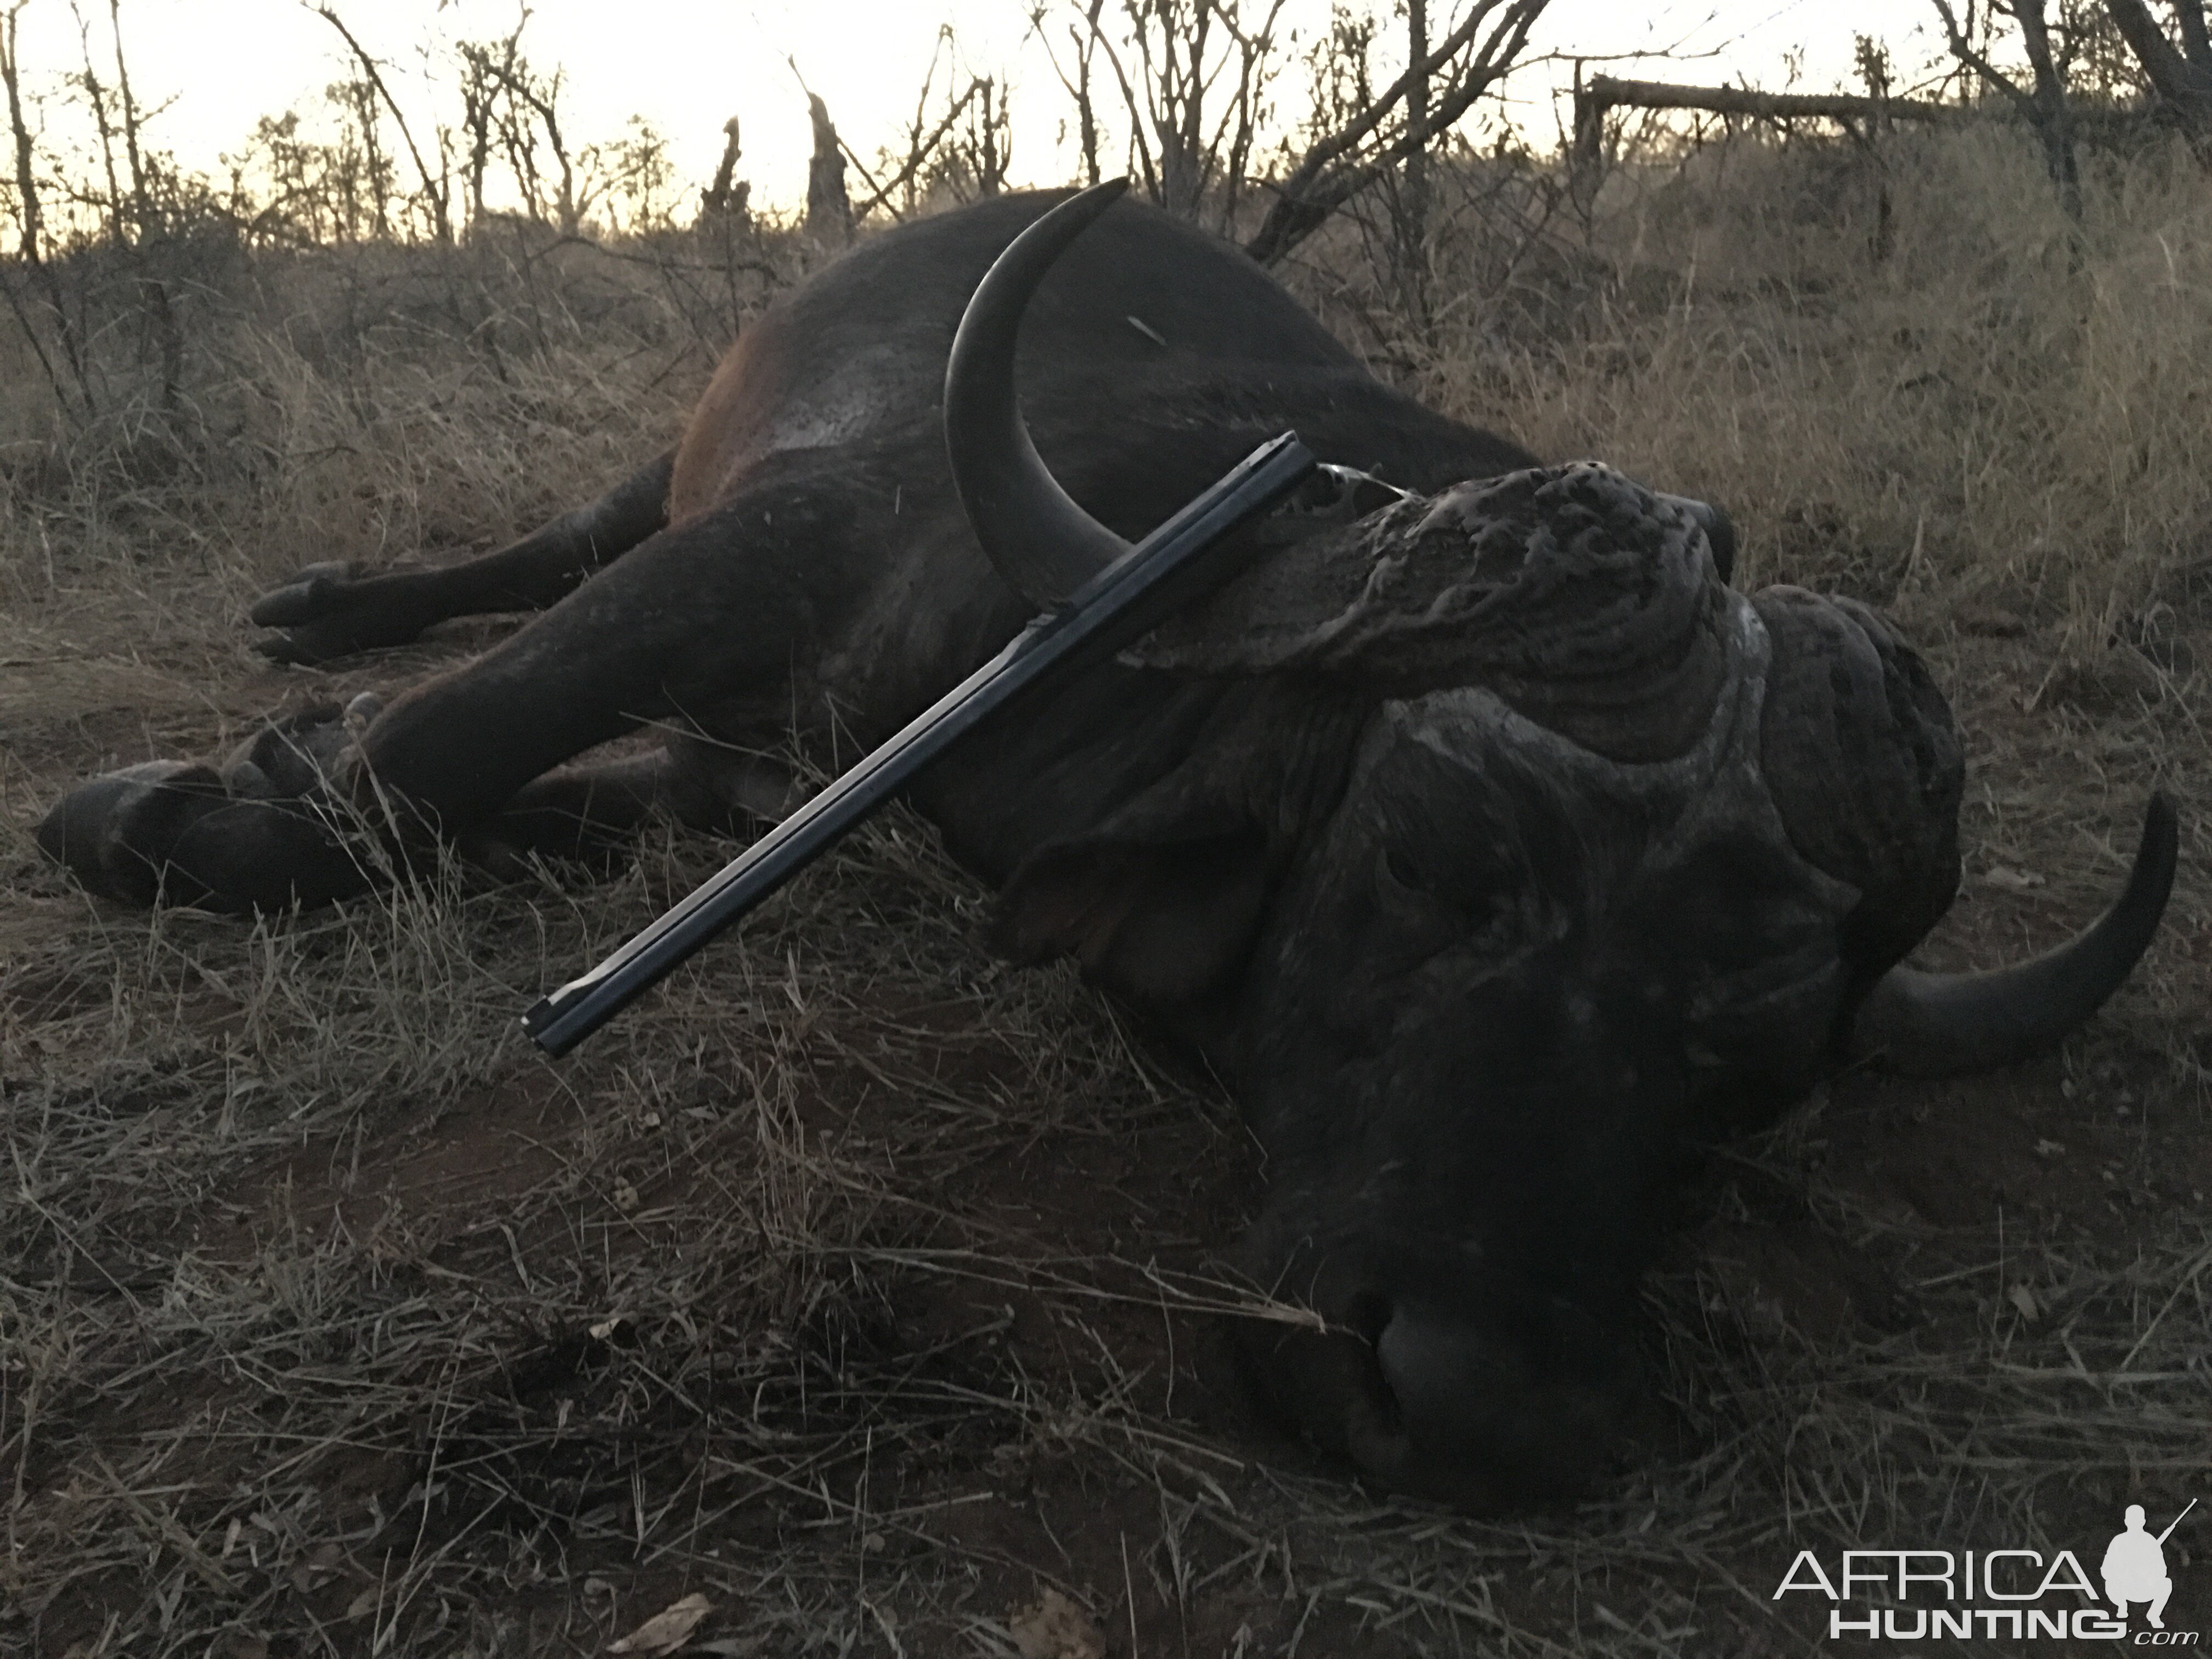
1403	870
1455	900
1422	879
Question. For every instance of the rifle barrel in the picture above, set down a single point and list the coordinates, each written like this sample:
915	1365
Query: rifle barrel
1169	564
2177	1521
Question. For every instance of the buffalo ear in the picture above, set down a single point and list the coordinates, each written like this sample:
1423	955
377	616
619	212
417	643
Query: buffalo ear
1163	895
1158	921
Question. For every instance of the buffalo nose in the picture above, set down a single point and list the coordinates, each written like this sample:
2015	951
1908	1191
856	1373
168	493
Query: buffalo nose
1503	1422
1491	1415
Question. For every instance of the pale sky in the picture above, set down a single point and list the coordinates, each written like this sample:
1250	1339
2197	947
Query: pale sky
689	65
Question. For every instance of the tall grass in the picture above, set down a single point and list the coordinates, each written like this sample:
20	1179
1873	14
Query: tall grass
2005	407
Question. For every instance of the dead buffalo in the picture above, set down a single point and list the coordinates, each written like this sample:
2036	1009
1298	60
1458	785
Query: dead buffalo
1497	851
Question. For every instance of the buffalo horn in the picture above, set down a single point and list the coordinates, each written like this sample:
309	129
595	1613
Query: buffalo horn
1038	539
1927	1025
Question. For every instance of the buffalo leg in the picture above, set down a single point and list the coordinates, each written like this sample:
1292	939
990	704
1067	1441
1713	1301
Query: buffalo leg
332	610
708	615
588	810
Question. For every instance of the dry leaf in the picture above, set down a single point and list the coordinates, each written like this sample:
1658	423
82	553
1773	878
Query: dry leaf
365	1603
2024	1299
1056	1628
667	1630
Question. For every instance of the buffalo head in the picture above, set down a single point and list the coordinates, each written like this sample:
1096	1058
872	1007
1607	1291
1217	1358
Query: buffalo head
1524	857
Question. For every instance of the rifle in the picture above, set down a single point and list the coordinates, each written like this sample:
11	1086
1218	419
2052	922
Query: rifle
1184	559
2177	1521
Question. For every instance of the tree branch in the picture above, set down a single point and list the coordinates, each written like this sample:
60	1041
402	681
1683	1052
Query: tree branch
1322	182
1963	50
442	220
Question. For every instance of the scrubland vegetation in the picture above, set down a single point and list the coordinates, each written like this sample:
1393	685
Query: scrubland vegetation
858	1284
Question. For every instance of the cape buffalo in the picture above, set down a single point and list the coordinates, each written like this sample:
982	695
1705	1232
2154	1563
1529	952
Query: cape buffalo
1494	849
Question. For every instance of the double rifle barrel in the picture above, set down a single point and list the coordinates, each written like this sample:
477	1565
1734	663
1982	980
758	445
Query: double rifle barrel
1189	556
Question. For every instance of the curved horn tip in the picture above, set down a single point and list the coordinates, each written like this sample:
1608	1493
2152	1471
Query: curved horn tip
2161	837
1926	1024
1038	539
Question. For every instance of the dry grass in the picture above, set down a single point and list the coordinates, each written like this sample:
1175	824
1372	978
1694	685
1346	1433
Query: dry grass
857	1283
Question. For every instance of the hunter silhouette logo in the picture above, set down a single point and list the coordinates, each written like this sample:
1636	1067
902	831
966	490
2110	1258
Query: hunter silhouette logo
2135	1565
2016	1595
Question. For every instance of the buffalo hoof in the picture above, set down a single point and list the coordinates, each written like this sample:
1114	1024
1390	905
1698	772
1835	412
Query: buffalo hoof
300	754
261	833
331	610
266	856
114	833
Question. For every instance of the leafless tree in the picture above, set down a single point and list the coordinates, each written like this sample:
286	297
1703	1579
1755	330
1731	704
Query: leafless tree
629	179
113	207
973	159
1083	39
1195	83
363	174
484	68
970	158
159	312
2099	71
828	209
532	96
1413	206
510	111
1474	53
437	188
2043	104
2180	80
727	194
132	226
31	221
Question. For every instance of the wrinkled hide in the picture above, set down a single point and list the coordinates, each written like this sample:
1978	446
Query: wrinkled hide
1528	931
1577	597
